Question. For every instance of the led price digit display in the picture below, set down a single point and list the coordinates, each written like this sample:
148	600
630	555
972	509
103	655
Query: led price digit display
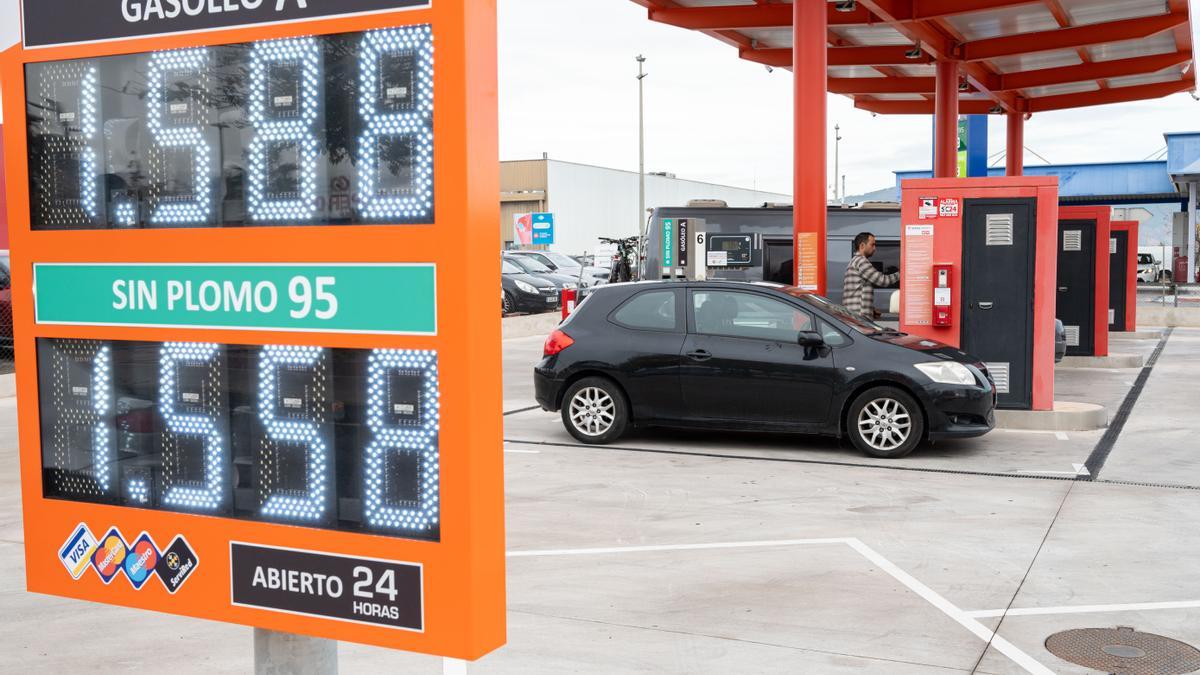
324	130
336	438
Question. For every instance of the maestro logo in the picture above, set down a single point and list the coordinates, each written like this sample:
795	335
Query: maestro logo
110	556
142	559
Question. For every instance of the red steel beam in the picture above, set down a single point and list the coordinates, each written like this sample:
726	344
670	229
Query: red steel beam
1141	92
1070	38
810	196
840	56
1085	72
934	9
850	86
971	107
945	121
737	17
935	42
1014	161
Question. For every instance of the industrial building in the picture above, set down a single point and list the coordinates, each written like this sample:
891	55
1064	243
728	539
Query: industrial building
589	202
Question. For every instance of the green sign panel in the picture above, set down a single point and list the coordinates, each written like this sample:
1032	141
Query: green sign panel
334	298
668	237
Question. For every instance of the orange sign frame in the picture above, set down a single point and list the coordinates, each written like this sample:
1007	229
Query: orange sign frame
463	582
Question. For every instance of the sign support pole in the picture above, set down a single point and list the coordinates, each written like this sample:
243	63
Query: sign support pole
278	653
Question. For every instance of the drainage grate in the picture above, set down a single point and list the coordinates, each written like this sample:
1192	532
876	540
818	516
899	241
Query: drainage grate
1124	651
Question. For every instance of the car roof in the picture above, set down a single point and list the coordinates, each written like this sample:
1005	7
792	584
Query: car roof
714	283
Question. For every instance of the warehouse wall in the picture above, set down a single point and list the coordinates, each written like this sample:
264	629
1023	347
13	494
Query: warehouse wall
590	202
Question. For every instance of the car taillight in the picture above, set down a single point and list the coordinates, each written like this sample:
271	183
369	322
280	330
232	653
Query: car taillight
557	342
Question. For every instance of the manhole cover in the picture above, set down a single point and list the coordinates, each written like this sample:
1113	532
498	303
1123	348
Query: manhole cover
1124	651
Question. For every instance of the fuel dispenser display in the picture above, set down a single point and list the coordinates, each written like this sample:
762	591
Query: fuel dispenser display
978	273
1083	278
943	295
1122	276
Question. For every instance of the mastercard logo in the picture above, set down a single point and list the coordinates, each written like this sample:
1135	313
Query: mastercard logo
110	556
140	561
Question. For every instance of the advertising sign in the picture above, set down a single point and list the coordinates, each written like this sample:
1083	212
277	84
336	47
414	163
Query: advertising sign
238	402
543	228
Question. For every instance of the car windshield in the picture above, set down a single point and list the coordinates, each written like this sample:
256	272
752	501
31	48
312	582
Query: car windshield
528	264
507	267
858	322
561	260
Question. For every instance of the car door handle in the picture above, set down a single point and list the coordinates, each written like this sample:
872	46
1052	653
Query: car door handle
986	305
700	355
1063	289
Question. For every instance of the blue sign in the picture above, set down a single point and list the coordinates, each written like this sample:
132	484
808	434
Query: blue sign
543	228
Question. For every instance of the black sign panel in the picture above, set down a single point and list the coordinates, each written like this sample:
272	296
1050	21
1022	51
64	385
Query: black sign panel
99	20
361	590
681	234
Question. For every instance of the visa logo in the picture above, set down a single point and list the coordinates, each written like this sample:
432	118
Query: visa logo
76	553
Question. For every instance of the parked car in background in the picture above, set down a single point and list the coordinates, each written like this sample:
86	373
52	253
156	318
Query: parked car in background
526	293
755	357
531	266
1150	269
565	264
6	316
1060	340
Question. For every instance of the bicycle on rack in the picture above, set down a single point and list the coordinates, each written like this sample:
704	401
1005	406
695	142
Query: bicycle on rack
625	259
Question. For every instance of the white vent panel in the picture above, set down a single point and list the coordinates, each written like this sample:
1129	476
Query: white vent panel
999	373
1072	240
999	229
1112	316
1112	246
1072	336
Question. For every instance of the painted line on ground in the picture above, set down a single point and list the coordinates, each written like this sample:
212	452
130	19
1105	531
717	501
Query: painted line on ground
1095	461
1062	436
524	452
1085	609
1008	649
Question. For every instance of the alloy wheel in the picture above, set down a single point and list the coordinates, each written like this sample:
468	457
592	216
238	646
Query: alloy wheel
593	411
884	424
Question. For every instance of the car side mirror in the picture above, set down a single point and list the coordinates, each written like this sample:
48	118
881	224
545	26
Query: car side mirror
808	338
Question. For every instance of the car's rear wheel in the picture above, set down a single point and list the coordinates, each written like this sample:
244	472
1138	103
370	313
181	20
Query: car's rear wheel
594	411
885	422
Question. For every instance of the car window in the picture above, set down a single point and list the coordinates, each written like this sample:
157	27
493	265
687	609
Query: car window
528	264
832	336
562	260
748	315
508	268
652	310
887	257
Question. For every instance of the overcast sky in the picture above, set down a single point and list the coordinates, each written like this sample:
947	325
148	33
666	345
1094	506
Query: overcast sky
568	87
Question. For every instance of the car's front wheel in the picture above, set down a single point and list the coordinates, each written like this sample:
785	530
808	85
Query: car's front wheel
885	422
594	411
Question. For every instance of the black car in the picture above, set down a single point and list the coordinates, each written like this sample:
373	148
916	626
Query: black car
535	268
526	293
759	357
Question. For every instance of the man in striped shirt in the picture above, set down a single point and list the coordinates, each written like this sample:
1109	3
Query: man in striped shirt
858	288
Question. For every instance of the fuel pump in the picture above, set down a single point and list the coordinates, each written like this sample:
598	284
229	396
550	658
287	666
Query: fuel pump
684	249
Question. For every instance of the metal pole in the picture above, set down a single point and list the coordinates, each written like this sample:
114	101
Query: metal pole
641	162
945	144
278	653
1190	245
809	155
1014	161
837	165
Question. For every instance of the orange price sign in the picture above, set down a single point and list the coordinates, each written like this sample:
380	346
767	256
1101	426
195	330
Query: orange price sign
258	383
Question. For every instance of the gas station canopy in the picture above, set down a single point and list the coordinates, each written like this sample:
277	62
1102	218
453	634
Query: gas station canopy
1014	56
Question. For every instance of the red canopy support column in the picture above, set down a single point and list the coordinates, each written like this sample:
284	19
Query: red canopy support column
945	135
809	68
1015	155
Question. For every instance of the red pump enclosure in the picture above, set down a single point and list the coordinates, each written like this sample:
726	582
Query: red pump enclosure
1071	306
998	235
1124	313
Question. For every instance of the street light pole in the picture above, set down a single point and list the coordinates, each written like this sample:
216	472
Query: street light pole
837	169
641	160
